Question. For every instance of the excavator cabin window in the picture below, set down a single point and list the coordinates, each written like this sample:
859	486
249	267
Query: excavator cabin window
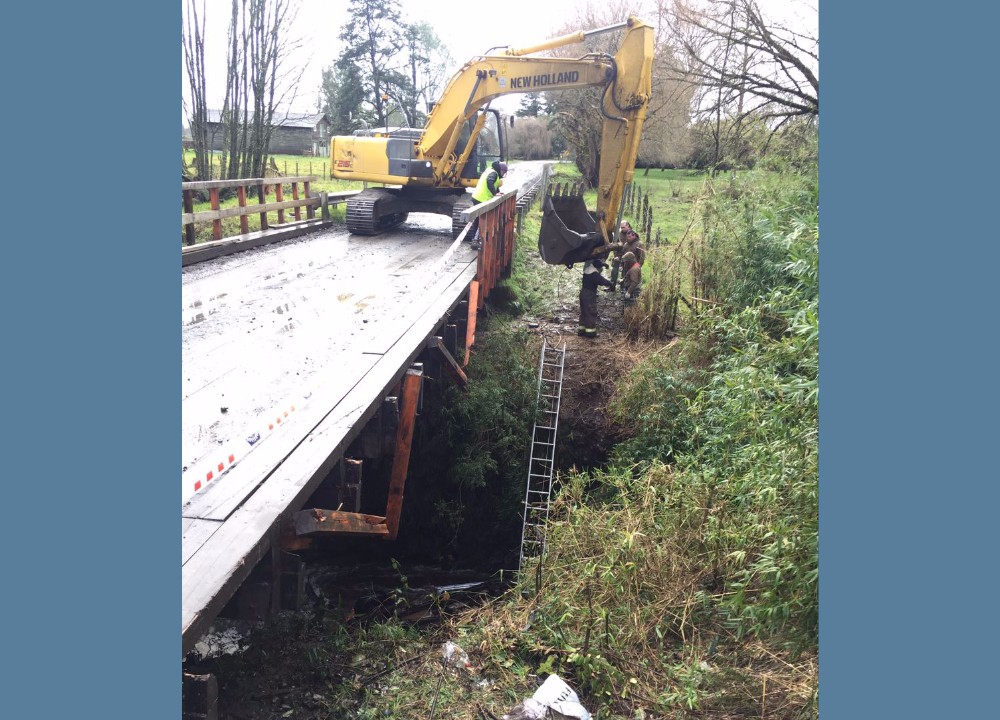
488	145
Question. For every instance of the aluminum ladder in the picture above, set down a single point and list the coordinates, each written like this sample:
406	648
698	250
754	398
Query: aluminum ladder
543	450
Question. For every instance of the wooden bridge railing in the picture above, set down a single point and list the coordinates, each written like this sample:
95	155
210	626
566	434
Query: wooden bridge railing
262	187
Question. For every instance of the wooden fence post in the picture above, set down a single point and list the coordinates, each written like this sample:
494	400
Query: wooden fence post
262	200
189	209
241	193
401	457
213	194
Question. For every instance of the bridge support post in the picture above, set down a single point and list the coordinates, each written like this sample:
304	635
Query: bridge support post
199	697
470	326
410	396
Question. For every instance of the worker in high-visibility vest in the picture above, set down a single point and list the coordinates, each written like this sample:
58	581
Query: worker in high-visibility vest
487	188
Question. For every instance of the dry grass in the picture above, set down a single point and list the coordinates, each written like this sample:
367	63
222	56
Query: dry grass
620	613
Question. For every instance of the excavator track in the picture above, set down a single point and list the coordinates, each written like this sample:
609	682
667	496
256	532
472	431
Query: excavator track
373	211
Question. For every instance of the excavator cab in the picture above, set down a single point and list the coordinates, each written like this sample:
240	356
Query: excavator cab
569	231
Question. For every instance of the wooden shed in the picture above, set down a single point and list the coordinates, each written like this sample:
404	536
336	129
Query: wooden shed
292	134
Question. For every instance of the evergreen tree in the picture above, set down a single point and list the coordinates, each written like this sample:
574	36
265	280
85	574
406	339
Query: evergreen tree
373	38
343	96
532	105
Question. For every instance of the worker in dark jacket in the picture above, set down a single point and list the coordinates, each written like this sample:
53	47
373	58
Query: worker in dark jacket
634	245
592	279
632	282
630	242
487	188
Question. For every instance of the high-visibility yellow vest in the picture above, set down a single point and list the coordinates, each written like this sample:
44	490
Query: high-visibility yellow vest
482	192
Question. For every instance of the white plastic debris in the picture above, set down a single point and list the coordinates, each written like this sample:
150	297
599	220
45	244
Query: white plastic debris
554	699
454	656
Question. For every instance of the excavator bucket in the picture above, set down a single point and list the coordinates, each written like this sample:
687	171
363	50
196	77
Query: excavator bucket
569	231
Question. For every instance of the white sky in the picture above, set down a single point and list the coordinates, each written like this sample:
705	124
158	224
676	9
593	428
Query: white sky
465	27
459	24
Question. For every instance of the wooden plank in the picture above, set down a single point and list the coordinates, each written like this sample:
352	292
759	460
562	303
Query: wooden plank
333	522
216	569
212	249
244	182
214	572
451	363
401	458
387	336
218	501
194	534
216	214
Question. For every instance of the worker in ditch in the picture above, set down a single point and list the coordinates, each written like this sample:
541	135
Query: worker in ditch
632	282
630	242
592	279
487	188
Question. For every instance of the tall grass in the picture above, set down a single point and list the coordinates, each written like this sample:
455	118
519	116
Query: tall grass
684	576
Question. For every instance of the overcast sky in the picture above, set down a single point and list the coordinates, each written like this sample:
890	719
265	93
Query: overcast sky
465	27
510	22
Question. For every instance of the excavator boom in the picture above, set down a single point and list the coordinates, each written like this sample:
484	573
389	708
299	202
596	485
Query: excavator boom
437	160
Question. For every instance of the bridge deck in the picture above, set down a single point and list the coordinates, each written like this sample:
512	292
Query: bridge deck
287	351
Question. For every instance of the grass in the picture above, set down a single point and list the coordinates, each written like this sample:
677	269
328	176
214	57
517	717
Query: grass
678	579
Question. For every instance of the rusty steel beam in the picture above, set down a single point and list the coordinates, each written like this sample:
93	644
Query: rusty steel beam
316	520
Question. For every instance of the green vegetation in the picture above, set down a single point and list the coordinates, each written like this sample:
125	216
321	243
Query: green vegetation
681	578
469	459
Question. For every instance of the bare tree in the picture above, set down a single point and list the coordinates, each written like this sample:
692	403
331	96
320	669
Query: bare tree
259	81
577	116
193	43
743	63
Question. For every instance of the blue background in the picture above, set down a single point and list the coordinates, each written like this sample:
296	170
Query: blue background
91	428
908	258
91	412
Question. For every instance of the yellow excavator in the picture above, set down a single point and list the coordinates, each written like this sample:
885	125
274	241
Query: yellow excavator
428	170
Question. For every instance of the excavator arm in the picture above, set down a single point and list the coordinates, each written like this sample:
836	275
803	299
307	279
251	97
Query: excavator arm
627	81
429	166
